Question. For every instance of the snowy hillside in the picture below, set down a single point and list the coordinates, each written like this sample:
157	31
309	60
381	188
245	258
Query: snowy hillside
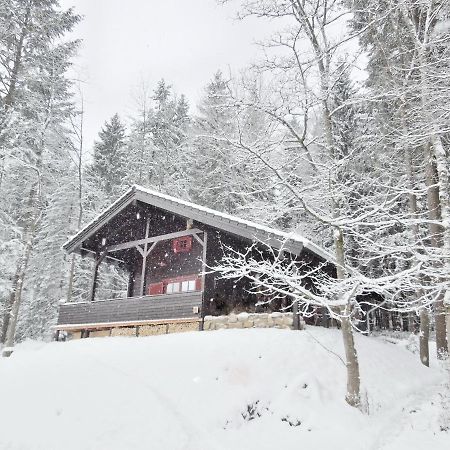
235	389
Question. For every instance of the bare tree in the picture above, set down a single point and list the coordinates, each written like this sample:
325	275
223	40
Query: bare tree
311	62
76	151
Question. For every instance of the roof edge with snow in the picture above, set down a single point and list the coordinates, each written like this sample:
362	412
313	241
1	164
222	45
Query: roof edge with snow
292	242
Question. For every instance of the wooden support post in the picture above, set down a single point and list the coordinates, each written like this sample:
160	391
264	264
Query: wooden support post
130	283
144	258
204	300
296	324
98	259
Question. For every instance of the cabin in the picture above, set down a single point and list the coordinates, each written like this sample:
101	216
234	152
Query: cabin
168	248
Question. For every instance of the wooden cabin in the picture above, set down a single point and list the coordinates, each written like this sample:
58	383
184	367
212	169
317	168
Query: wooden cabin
168	247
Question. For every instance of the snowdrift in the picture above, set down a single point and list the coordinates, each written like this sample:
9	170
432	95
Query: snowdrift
230	389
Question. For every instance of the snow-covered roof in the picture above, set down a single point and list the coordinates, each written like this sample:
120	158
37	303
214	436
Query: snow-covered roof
292	242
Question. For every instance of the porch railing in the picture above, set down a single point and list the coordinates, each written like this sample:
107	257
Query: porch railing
157	307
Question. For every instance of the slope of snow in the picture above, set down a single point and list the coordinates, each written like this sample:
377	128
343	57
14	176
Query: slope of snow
230	389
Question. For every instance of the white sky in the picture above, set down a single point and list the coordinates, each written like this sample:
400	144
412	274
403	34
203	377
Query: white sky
128	42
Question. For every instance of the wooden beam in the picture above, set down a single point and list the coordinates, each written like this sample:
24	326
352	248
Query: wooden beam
151	248
199	240
205	241
144	258
296	317
99	258
149	240
91	252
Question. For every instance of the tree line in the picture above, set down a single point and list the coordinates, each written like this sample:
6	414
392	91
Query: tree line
296	142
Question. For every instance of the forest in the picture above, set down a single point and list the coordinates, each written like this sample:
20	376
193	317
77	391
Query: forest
297	141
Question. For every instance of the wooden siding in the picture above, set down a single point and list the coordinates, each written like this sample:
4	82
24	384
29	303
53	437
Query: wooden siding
158	307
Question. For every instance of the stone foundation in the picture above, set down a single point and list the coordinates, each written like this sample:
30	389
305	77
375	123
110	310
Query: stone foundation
100	333
242	320
183	327
75	335
251	320
124	331
152	330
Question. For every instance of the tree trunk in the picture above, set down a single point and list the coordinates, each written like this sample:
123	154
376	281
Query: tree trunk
353	396
414	211
80	135
9	304
17	292
29	233
438	199
442	337
424	337
411	323
434	214
390	321
323	61
17	280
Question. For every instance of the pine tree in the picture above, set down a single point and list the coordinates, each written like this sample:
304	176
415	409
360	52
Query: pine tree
215	168
39	94
157	139
109	168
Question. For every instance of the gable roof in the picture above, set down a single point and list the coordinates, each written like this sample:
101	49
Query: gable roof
292	242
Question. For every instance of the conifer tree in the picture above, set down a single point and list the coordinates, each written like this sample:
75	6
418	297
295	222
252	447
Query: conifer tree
214	165
157	139
39	93
109	168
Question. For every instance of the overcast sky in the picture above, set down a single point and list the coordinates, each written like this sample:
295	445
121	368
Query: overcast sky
126	42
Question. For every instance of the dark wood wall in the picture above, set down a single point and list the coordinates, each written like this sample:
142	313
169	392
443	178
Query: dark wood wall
221	296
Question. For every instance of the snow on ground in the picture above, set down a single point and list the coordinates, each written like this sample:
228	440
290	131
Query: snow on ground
230	389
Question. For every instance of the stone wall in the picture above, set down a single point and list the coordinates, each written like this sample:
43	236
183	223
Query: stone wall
141	330
251	320
242	320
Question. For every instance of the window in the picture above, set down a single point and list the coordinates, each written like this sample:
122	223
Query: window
172	288
182	285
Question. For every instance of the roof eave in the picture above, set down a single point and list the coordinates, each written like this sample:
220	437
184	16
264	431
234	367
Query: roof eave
75	242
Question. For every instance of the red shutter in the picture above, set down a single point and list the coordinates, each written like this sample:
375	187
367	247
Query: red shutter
156	289
182	245
198	284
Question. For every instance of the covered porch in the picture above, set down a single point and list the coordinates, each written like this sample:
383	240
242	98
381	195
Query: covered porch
164	256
